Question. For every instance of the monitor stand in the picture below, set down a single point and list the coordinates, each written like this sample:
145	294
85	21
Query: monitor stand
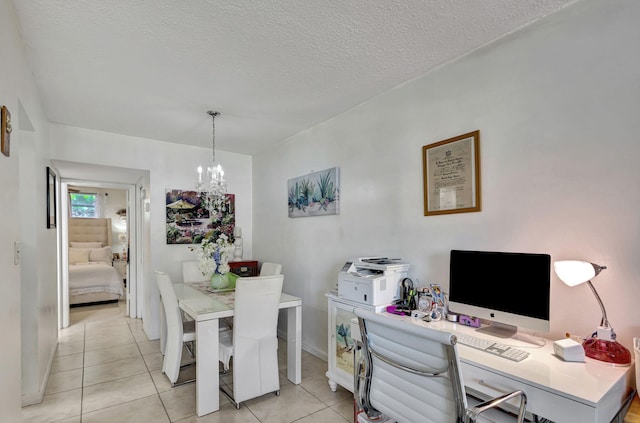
503	330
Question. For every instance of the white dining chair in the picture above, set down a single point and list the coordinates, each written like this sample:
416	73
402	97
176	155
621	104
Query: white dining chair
269	269
191	273
253	342
179	333
411	373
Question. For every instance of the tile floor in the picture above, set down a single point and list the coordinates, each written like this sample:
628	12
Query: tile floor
107	370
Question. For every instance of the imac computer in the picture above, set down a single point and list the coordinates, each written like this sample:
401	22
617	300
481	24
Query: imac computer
510	290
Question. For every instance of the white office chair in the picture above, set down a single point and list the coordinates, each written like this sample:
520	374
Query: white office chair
269	269
411	373
179	332
253	342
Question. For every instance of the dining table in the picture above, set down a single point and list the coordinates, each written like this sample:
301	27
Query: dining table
206	307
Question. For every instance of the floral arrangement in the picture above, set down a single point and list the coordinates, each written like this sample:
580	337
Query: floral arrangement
213	254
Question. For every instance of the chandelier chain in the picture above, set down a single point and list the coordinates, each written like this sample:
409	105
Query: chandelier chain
213	124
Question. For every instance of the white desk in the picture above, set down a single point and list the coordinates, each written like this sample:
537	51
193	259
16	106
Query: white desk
563	392
206	310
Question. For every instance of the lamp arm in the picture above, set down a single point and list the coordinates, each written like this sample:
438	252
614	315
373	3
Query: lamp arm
604	322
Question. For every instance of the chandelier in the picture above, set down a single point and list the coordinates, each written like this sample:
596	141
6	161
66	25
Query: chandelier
214	191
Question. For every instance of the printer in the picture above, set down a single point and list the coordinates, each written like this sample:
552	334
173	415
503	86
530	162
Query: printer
373	281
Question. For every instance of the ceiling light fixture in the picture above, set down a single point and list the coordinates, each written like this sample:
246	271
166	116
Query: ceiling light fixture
214	190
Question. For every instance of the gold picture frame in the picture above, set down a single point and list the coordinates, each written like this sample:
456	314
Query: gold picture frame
5	134
451	175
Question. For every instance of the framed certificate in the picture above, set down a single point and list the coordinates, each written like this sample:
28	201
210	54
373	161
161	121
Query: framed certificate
451	171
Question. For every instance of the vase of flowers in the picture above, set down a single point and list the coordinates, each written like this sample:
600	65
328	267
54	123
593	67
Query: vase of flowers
219	281
213	259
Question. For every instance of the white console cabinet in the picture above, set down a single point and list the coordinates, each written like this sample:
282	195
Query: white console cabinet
341	345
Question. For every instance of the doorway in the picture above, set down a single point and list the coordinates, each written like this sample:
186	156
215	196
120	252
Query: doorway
90	206
119	190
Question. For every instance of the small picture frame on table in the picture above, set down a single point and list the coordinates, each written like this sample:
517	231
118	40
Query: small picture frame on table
439	299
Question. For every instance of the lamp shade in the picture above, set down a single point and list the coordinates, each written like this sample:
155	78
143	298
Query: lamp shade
575	272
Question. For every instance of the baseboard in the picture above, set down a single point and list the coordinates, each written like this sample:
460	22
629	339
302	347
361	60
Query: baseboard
31	398
322	355
282	334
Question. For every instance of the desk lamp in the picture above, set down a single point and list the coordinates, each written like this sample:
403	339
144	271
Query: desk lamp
602	344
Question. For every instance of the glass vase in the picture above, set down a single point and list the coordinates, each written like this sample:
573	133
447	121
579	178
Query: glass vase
219	281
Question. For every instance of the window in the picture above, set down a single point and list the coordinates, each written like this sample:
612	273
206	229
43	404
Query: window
83	205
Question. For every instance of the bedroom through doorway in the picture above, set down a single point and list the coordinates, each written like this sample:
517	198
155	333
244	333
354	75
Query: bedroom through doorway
121	194
95	246
98	245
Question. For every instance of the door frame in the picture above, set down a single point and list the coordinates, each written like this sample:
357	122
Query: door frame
133	306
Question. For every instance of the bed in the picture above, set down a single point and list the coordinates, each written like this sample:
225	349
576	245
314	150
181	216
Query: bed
92	277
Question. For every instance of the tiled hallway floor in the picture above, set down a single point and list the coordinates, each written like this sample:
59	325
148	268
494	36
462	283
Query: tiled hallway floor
106	370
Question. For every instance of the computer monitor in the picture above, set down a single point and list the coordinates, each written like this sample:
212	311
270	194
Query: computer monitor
510	290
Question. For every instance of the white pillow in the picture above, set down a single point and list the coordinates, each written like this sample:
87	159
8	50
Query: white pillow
86	244
101	255
77	255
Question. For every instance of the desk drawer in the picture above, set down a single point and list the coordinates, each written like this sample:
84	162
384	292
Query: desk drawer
550	405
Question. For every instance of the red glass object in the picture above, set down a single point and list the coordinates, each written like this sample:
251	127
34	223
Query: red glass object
607	351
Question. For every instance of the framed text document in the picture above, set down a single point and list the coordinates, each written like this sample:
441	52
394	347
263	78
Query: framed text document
451	171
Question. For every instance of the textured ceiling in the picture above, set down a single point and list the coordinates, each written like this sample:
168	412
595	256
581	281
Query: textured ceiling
273	68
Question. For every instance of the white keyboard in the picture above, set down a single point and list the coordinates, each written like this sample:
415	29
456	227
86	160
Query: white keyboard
491	347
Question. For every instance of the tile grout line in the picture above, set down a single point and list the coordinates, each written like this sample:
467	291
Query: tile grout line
148	370
84	351
134	327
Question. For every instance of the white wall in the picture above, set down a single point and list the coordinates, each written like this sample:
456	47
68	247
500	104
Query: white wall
170	166
27	357
11	68
38	270
557	108
116	200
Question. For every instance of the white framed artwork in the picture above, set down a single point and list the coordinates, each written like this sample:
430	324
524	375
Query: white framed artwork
315	194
